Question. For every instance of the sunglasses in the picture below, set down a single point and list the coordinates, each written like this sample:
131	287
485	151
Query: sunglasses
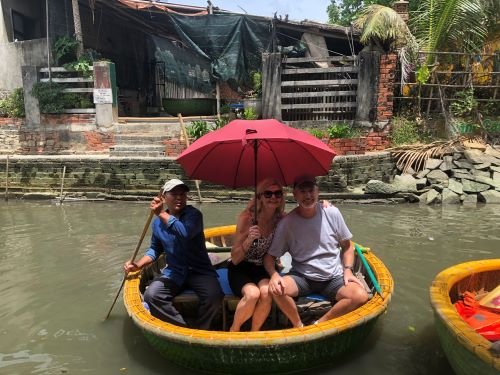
269	193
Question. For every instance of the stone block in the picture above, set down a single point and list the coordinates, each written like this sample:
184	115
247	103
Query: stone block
449	197
437	176
433	163
489	196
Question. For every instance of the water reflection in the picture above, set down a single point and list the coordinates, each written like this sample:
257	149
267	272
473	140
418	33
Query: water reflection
61	268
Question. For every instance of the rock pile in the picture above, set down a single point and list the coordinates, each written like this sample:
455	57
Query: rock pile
468	176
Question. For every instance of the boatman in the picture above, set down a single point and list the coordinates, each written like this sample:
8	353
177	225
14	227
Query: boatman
318	241
178	233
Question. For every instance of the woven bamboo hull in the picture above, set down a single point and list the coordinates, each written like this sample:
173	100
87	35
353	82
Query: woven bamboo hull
265	351
467	351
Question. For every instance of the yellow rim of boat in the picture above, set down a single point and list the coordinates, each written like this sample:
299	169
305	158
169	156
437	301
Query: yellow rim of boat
370	310
440	299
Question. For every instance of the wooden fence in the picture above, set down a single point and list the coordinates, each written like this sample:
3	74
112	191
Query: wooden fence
73	83
450	74
318	94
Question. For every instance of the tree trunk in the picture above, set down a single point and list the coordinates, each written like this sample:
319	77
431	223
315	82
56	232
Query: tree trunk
78	27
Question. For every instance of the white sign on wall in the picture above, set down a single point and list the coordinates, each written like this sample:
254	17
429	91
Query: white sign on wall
103	96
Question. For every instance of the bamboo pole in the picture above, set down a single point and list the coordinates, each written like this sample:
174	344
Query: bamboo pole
62	185
186	139
7	179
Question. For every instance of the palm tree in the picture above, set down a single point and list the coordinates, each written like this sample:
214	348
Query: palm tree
458	25
78	27
383	27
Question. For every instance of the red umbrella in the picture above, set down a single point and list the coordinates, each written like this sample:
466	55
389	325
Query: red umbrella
246	151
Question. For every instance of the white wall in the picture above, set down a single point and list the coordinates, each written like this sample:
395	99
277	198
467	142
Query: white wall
14	55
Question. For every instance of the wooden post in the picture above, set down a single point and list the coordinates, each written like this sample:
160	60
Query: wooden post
7	179
62	185
217	91
186	139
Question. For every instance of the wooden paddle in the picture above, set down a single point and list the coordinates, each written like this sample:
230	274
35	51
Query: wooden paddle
369	270
144	231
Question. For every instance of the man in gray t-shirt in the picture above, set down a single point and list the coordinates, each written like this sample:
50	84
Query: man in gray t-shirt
318	241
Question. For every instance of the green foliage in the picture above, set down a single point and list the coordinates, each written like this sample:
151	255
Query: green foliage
50	96
250	114
318	133
342	130
13	105
348	10
219	123
198	129
404	131
225	108
464	103
257	84
456	25
52	99
489	108
382	26
423	74
81	65
64	49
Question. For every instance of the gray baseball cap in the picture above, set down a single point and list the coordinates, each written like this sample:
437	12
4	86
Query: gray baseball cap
173	183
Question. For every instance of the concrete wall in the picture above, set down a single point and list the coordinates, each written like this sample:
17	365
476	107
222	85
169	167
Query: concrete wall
133	176
14	55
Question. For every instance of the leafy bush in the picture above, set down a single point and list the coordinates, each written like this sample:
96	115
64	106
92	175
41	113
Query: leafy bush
404	131
464	103
13	105
198	129
64	49
318	133
257	84
342	130
250	114
50	97
220	123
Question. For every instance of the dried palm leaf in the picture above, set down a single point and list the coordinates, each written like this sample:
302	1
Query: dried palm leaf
414	156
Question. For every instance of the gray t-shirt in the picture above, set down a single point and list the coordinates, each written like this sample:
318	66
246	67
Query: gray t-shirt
312	243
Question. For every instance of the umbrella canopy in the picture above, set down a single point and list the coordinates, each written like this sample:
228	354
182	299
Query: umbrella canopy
228	156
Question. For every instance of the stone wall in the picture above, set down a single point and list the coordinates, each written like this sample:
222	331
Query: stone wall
9	135
135	176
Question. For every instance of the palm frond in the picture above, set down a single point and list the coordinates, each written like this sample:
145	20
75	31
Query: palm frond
383	26
414	156
443	24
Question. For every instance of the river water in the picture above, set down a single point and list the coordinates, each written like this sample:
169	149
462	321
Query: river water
60	268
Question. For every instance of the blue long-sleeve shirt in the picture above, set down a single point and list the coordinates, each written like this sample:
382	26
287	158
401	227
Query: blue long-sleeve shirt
183	242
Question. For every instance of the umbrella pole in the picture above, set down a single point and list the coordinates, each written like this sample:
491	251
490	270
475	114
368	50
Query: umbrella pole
186	139
255	180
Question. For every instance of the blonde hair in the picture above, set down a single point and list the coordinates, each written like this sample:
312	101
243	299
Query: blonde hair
261	187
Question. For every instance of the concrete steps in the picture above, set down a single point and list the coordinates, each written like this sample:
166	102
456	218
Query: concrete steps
148	150
143	137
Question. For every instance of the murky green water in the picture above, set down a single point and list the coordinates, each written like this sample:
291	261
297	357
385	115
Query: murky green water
60	268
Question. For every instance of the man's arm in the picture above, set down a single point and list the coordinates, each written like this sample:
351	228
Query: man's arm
190	225
348	262
276	285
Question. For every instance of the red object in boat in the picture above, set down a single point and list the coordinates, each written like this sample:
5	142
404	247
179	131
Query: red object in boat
482	320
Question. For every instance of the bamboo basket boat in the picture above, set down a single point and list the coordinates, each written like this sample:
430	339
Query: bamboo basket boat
467	351
272	351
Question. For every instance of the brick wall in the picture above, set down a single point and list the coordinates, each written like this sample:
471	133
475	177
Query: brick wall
386	87
348	146
174	146
378	140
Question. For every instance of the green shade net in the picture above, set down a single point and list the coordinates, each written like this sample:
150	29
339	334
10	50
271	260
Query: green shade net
181	66
233	44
